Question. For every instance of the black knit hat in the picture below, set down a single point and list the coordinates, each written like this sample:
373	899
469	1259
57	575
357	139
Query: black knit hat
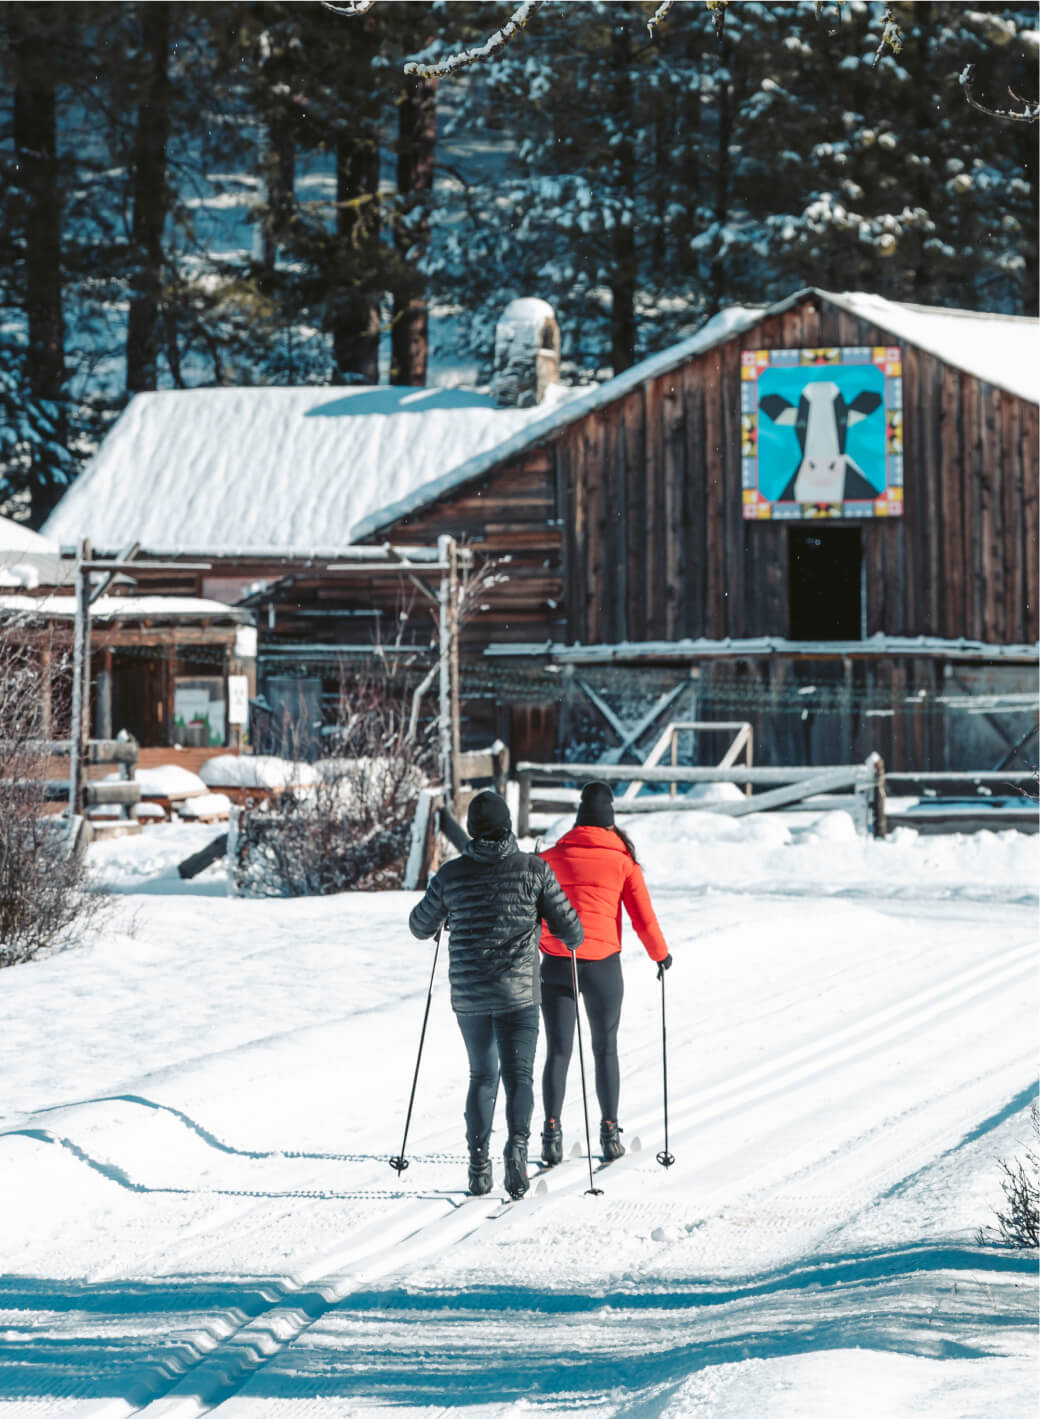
596	809
488	816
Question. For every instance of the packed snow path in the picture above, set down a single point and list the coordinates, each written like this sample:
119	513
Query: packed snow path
199	1214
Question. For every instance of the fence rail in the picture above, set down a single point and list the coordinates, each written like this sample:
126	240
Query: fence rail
784	787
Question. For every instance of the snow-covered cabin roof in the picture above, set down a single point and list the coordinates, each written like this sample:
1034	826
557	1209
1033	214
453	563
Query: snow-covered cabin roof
125	608
27	559
310	470
270	469
16	537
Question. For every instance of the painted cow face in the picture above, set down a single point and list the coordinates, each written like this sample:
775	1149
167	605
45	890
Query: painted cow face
821	420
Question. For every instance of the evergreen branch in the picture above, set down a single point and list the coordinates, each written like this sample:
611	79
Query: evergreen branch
1030	107
516	22
659	14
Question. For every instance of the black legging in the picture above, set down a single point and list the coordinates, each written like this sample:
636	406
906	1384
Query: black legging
495	1042
602	988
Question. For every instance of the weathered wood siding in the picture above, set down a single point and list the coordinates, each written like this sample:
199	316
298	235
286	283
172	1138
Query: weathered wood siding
962	561
631	519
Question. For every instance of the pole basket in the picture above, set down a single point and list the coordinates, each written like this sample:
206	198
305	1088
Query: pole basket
665	1158
399	1164
593	1192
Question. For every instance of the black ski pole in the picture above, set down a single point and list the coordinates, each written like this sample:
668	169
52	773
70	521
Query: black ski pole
401	1162
665	1158
592	1189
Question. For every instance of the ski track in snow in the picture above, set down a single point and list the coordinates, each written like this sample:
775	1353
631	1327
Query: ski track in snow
836	1129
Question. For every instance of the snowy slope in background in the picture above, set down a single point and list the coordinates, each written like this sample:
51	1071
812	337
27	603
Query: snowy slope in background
199	1106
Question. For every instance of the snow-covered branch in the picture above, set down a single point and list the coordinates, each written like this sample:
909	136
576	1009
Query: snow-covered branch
1029	112
517	21
659	14
353	7
891	36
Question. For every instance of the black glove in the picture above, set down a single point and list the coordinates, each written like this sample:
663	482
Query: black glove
664	965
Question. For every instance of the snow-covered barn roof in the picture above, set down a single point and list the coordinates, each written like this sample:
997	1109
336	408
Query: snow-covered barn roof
309	470
271	469
1003	350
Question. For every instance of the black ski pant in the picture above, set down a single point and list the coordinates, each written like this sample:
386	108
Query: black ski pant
499	1042
602	987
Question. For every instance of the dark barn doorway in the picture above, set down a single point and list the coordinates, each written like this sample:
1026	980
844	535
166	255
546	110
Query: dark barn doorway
824	584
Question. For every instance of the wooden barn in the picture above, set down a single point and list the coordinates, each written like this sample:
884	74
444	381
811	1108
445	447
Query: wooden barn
819	517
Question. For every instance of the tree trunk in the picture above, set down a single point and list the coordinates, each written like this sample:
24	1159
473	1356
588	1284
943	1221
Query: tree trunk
149	214
416	143
279	170
35	138
623	277
722	174
354	309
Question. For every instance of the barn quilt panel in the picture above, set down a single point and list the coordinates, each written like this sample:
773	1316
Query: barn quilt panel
822	432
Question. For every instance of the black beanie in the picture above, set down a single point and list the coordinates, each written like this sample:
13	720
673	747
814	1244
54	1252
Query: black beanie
596	809
488	816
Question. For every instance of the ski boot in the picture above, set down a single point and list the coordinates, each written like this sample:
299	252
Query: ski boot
610	1144
479	1172
516	1179
552	1143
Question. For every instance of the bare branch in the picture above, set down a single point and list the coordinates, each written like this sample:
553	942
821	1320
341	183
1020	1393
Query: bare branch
517	21
1030	111
353	7
659	14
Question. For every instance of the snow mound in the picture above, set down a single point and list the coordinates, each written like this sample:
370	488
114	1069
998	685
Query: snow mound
166	781
255	771
206	807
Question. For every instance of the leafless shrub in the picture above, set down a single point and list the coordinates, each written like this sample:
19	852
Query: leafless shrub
1018	1223
45	888
351	829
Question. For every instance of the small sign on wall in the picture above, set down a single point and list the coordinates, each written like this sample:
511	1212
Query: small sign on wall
822	432
238	699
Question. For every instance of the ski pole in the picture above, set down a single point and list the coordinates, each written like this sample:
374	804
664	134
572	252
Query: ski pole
592	1189
401	1162
665	1158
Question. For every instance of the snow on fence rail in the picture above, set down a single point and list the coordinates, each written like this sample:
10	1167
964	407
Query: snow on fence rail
946	801
784	787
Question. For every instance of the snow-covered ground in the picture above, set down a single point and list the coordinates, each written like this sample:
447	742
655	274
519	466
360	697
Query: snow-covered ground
199	1105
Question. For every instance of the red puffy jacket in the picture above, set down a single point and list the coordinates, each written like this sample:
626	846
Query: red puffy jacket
597	874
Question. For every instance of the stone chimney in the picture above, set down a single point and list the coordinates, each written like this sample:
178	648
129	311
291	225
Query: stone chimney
527	354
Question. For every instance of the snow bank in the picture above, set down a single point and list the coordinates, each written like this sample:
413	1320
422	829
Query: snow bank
255	771
820	852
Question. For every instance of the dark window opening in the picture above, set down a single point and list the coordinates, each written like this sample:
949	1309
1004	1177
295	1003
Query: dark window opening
824	583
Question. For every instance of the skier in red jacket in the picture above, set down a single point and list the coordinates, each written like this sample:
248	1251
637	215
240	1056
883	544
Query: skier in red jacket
597	869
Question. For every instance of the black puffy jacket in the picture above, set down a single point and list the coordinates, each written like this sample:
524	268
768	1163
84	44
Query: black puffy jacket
494	899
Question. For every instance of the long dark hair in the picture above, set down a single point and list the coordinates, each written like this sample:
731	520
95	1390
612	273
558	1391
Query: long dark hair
629	846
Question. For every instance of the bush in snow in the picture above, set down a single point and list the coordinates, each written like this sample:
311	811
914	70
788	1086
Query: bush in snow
1018	1224
351	828
45	889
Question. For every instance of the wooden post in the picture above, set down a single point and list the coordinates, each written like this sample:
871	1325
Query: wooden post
46	692
104	697
523	816
80	727
444	666
880	813
453	614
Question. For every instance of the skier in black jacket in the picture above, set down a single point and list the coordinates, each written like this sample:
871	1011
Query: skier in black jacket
494	899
